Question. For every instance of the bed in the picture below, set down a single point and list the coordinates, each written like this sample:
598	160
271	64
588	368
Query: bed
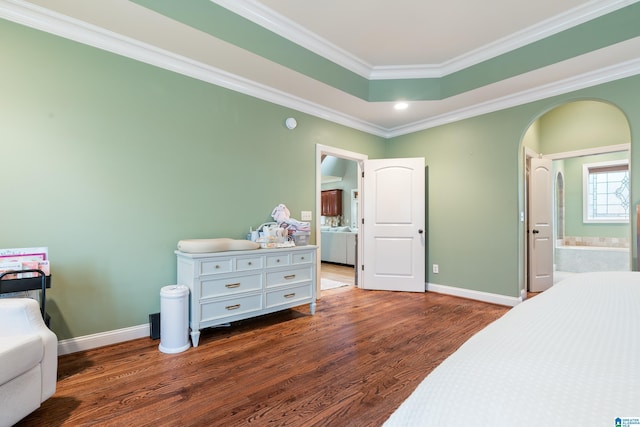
569	356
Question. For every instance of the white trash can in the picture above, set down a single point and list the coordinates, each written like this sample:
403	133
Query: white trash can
174	319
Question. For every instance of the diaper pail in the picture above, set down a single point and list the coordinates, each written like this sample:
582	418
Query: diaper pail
174	319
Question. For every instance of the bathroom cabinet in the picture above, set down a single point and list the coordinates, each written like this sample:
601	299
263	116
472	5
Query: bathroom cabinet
339	247
230	286
331	202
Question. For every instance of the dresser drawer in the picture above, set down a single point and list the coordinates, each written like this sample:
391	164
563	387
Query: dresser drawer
230	307
290	295
229	286
253	263
292	275
216	266
302	258
277	260
235	285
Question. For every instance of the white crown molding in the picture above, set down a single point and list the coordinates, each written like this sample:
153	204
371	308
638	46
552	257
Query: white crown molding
589	151
258	13
43	19
547	28
582	81
54	23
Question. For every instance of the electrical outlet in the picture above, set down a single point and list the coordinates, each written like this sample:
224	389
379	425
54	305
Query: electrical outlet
306	216
436	269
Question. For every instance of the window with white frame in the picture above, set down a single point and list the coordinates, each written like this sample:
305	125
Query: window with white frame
606	191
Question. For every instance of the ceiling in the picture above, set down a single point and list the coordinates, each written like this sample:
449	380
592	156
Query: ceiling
379	47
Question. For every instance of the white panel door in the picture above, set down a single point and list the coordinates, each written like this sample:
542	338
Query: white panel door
394	218
540	225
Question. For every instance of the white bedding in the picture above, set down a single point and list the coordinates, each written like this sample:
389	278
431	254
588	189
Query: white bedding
567	357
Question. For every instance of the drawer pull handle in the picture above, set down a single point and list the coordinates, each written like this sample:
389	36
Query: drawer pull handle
250	263
233	307
302	258
290	276
232	285
278	260
217	266
290	295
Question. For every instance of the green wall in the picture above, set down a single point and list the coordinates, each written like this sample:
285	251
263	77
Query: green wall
574	225
109	162
580	125
576	126
472	193
475	191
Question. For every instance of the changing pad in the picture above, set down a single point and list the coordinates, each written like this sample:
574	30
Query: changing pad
215	245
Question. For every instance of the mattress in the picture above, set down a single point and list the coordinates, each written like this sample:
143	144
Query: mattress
569	356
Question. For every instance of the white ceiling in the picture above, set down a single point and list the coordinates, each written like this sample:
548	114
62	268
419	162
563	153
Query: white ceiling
374	38
414	32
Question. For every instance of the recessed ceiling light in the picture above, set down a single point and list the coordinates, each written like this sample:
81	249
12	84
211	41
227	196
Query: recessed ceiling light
401	106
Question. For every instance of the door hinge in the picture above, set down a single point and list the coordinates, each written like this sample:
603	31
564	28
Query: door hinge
362	221
362	267
363	174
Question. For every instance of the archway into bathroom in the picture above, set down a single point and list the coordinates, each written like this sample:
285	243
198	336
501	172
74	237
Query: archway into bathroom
588	143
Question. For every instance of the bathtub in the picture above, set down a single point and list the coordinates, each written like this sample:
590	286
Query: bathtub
582	259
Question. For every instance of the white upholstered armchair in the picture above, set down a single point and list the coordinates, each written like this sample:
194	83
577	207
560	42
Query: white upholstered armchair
28	359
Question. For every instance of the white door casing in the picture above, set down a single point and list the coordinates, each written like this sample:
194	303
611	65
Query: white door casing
540	228
394	220
359	158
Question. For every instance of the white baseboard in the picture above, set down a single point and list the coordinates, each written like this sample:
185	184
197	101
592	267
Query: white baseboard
475	295
101	339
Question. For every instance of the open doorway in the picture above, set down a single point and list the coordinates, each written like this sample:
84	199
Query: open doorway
338	194
338	222
591	229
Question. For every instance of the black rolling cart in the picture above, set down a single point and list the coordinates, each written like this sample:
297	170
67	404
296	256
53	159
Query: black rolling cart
42	282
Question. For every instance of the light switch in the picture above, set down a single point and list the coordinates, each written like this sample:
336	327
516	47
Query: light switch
305	215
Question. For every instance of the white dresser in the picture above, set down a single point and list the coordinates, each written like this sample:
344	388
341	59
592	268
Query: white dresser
235	285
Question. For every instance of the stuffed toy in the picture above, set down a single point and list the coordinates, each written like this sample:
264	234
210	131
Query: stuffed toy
280	214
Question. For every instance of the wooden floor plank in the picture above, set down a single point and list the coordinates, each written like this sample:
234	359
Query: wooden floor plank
350	364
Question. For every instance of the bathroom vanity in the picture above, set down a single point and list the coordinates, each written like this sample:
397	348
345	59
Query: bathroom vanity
235	285
339	246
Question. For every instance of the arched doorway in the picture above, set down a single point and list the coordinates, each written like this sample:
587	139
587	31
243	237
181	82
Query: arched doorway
577	137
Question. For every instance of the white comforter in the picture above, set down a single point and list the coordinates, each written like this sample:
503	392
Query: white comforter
567	357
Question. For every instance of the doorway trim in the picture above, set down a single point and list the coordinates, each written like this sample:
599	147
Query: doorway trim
528	153
605	149
359	158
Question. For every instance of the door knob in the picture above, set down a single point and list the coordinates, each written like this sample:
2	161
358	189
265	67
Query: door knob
420	231
535	231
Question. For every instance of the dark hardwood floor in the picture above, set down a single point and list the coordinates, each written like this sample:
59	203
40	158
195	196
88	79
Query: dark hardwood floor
350	364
